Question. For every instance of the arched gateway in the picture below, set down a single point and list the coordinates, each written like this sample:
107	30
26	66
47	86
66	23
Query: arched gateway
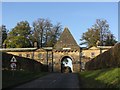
66	49
66	64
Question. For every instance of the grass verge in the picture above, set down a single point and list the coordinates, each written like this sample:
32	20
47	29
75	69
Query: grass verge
10	79
104	78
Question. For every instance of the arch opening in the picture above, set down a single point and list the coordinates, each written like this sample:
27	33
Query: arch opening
66	65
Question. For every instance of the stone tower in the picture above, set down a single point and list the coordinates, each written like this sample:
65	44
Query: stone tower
66	47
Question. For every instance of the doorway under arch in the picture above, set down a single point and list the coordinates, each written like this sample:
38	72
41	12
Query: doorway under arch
66	65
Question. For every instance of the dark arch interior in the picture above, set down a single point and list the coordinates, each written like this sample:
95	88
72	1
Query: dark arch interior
63	68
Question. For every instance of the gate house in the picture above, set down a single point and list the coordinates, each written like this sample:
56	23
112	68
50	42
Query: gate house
66	49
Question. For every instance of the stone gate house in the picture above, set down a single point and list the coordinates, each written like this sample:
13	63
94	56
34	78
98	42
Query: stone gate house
55	57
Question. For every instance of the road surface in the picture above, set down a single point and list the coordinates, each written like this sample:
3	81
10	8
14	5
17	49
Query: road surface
54	80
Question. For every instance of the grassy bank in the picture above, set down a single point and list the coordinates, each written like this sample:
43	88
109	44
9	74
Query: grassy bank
10	79
104	78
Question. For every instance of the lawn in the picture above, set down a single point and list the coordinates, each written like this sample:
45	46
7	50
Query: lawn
10	79
104	78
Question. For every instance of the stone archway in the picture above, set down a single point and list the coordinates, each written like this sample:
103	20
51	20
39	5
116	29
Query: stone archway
66	64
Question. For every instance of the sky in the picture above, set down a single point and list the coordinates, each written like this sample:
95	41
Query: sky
77	16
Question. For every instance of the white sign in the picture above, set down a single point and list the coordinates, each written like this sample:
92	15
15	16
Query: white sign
13	59
13	65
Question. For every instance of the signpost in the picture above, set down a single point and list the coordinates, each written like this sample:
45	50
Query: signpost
13	64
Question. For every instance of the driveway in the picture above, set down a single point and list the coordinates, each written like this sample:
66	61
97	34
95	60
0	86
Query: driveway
54	80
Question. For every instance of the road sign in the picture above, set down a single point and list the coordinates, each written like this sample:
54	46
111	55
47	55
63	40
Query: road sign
13	59
13	65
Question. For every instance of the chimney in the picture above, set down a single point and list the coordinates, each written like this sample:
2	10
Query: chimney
35	45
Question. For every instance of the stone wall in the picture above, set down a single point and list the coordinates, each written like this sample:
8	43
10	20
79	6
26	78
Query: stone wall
96	51
39	55
110	58
22	63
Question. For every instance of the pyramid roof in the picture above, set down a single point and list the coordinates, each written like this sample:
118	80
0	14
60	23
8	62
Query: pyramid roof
66	40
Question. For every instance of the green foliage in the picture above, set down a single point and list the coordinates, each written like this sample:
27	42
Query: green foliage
17	42
20	36
91	37
44	33
104	78
110	40
99	34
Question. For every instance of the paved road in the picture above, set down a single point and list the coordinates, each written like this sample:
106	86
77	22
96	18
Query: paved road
54	80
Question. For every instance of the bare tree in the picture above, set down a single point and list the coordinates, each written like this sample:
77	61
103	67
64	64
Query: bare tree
45	33
54	34
39	27
103	26
48	29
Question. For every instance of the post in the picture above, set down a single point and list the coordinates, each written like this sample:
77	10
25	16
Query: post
33	55
13	72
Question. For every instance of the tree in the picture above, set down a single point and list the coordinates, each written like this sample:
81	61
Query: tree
91	37
103	27
45	33
39	26
48	28
20	36
54	34
110	40
3	34
99	34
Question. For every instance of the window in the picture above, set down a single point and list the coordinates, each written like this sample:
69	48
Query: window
27	55
20	55
39	56
92	54
49	55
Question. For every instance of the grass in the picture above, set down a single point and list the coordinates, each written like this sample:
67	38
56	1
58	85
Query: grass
9	80
104	78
